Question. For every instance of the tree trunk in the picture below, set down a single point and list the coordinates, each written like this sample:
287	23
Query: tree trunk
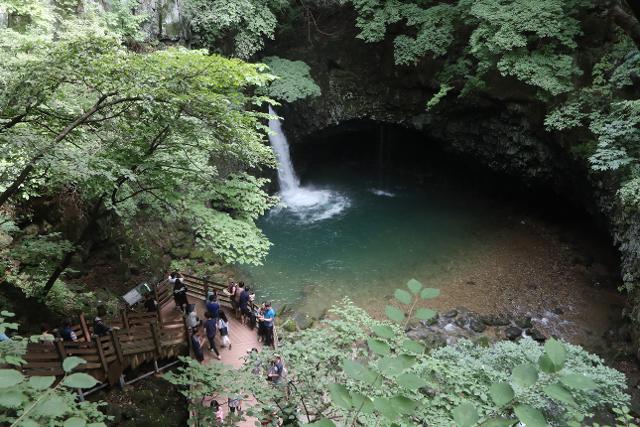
66	260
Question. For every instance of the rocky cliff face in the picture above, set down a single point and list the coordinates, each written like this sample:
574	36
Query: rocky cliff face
502	130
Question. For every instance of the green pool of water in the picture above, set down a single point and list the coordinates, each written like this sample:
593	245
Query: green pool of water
371	239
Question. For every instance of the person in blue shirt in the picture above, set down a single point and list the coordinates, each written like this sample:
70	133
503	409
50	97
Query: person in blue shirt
268	318
213	307
66	332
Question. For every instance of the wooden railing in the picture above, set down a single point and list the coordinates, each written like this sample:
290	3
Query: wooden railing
140	338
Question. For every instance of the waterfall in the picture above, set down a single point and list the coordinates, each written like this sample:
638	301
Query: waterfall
289	182
307	204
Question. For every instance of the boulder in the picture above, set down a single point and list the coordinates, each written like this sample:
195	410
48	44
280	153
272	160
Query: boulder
536	335
524	322
512	333
477	325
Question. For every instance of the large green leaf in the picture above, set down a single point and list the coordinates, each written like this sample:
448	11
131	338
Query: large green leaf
558	392
385	408
530	416
79	380
465	415
429	293
501	393
403	296
578	381
362	402
378	347
413	346
74	422
340	395
51	407
383	331
404	405
525	375
425	313
546	365
411	381
414	286
557	352
12	398
394	313
41	383
10	378
359	372
70	363
499	422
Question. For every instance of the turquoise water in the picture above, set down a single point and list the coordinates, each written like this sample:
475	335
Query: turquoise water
369	238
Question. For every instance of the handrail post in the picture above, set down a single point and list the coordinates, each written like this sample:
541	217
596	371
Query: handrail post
103	360
156	296
188	335
62	353
125	318
116	345
85	328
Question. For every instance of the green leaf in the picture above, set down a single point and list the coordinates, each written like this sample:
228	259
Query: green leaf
75	422
411	381
28	422
51	407
557	353
41	383
530	416
70	363
404	405
340	395
362	402
501	393
465	415
79	380
379	347
385	408
6	313
429	293
558	392
414	286
359	372
413	346
425	313
578	381
403	296
499	422
546	365
383	331
322	423
12	398
525	375
10	378
394	313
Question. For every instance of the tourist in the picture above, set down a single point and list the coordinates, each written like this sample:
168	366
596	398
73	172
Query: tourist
173	277
210	329
150	304
196	343
277	371
260	321
45	335
236	297
268	318
192	318
235	404
66	332
243	302
231	292
217	409
100	328
223	327
4	337
213	306
180	294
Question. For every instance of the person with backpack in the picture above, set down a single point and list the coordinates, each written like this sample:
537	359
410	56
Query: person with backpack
267	323
277	371
66	332
210	329
100	328
193	322
223	327
243	302
196	344
180	294
236	298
